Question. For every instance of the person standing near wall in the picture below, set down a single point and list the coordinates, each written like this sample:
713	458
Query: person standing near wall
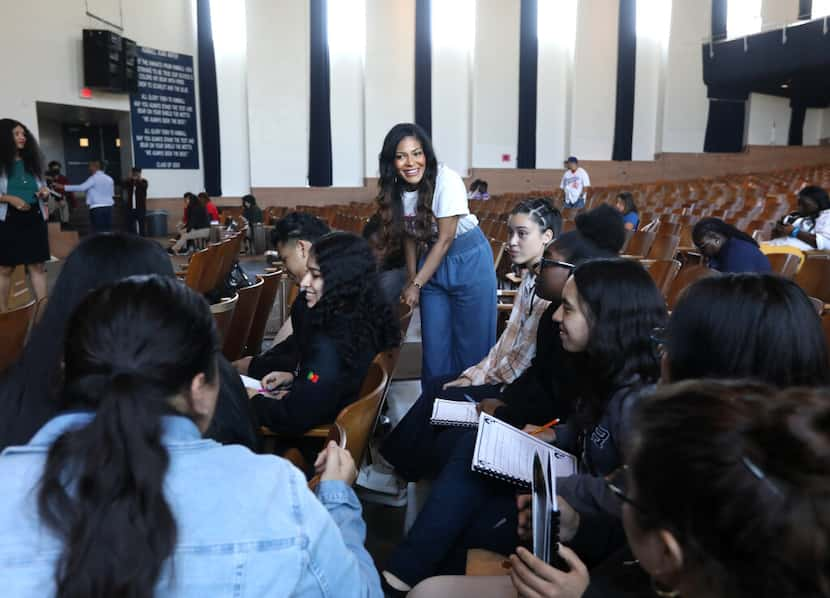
99	189
135	189
448	259
24	237
58	203
575	184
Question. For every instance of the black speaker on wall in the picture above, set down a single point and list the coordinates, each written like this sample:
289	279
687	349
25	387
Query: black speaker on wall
103	60
129	64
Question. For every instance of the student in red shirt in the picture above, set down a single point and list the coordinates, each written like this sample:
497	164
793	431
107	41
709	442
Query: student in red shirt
212	211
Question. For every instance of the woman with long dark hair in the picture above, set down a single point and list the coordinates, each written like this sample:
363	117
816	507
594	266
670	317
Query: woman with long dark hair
120	495
448	259
808	228
347	325
28	390
608	311
24	237
196	224
626	206
727	248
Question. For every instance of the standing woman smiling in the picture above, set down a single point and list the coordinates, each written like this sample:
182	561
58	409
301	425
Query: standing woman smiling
448	259
24	238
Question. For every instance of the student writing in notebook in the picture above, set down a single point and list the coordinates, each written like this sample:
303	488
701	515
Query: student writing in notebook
609	308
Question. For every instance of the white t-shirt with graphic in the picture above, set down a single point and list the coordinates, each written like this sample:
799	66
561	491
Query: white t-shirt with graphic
574	184
449	199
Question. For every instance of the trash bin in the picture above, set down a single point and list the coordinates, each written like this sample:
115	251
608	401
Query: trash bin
156	222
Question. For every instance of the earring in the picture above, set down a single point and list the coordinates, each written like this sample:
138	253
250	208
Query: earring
663	593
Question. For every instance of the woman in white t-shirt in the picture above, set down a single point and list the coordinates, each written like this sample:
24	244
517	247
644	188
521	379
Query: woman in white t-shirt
807	229
449	262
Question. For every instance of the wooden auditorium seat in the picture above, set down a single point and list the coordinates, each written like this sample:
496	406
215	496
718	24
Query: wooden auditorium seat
640	244
223	315
785	264
688	275
271	283
663	272
664	247
14	326
243	317
814	275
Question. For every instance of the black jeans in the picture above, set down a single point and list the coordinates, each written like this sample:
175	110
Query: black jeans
135	222
416	448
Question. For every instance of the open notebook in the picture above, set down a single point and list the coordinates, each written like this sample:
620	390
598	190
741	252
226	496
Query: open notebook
454	413
505	452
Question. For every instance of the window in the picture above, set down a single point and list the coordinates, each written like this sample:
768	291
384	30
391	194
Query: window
346	27
654	20
743	17
821	8
454	24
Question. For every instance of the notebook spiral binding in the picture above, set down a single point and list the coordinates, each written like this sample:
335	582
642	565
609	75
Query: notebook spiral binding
453	423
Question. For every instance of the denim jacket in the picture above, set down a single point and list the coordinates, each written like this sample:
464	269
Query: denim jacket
247	524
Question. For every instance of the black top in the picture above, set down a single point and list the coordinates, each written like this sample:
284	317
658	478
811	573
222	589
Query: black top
284	356
197	217
322	386
539	394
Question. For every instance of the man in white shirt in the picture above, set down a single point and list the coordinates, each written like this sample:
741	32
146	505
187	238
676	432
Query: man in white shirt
575	184
99	189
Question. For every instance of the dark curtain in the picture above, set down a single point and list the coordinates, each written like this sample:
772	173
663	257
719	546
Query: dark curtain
423	63
725	126
626	76
208	102
805	9
528	61
319	124
719	9
798	112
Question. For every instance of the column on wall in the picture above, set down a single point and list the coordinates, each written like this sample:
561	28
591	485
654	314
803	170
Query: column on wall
594	80
453	36
653	26
347	44
389	77
685	106
495	97
229	40
556	31
278	91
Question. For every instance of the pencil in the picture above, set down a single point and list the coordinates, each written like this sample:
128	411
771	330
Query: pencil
547	426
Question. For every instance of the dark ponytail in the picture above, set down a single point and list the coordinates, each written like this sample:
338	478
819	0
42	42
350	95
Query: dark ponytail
130	349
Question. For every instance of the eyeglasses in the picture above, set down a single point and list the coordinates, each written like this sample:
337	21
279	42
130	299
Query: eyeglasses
616	483
545	262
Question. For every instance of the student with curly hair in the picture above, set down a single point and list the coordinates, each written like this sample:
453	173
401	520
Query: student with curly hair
348	324
24	237
448	259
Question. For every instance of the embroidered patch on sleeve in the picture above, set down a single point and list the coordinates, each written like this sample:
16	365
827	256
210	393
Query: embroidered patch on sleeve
312	377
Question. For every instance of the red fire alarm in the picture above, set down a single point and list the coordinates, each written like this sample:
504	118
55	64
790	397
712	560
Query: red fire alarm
86	93
505	157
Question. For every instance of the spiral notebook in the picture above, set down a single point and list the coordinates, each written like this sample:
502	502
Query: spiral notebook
454	413
505	452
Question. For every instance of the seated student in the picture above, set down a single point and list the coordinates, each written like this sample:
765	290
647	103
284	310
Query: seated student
348	323
727	248
609	309
706	519
807	229
392	276
625	205
119	495
196	225
478	190
250	210
413	447
744	326
188	197
27	389
293	237
210	207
